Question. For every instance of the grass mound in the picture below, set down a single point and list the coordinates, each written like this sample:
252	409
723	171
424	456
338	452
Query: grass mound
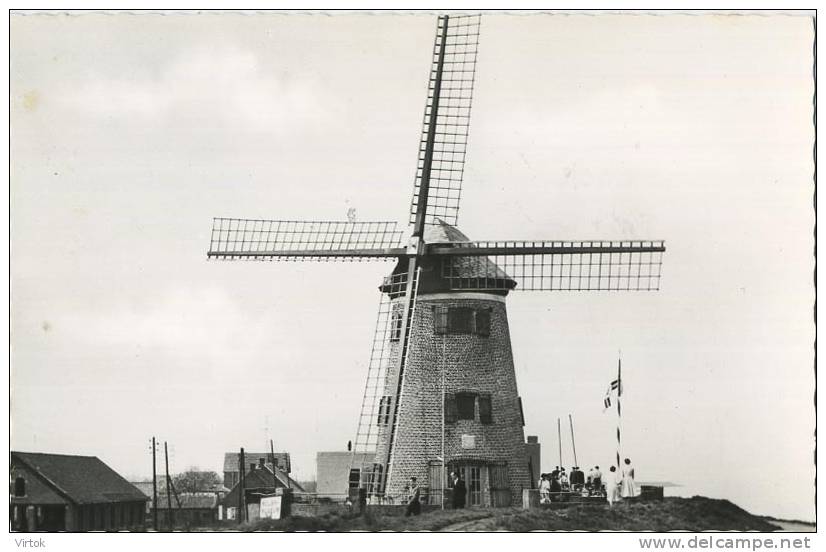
672	514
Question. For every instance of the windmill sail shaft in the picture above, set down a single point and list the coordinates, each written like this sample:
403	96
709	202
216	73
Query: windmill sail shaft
484	249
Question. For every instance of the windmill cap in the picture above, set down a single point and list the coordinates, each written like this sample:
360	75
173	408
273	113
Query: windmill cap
441	232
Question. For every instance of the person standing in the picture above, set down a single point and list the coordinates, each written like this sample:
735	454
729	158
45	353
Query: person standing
459	491
545	489
577	479
596	480
414	507
613	486
563	481
629	488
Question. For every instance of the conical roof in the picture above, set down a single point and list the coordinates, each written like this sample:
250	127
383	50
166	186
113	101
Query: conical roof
465	268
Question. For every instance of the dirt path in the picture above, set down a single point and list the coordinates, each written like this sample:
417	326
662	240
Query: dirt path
478	524
792	527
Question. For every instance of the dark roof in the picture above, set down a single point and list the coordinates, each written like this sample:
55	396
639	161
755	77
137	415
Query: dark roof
464	267
282	460
81	479
191	501
261	478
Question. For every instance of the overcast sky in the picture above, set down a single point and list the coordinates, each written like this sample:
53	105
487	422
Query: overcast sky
130	132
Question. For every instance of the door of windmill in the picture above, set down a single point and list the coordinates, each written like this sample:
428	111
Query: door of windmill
472	475
500	491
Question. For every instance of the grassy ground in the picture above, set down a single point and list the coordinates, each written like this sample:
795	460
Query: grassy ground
671	514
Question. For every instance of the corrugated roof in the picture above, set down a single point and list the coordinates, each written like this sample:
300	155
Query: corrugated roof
145	487
191	501
82	479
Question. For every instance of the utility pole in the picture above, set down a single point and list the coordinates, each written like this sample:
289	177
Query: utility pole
168	493
154	488
274	467
444	460
241	477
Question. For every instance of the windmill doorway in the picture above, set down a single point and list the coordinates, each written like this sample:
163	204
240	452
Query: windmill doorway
487	483
472	475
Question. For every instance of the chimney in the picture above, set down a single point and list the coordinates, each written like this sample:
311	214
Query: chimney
252	466
261	463
533	439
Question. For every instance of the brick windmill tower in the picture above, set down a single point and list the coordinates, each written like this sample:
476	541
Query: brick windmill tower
441	390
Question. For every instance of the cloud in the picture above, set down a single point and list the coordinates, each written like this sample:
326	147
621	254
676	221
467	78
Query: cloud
229	86
179	321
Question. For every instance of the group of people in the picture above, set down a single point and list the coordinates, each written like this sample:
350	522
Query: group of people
620	484
558	481
414	504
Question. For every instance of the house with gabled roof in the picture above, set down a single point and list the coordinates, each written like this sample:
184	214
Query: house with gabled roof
232	459
62	492
258	481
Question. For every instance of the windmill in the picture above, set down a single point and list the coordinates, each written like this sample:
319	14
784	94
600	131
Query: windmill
441	389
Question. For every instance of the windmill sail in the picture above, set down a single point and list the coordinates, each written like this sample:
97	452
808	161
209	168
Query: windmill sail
553	266
377	419
443	142
289	240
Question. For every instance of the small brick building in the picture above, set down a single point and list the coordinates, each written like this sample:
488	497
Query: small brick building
465	335
59	492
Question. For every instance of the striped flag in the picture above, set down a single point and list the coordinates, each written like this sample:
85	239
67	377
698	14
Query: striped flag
615	385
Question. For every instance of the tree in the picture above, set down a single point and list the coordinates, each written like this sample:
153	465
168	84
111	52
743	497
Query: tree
193	480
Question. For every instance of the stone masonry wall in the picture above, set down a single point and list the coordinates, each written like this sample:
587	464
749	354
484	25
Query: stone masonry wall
472	363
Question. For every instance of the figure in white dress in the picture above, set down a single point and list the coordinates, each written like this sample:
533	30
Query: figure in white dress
612	486
545	489
629	488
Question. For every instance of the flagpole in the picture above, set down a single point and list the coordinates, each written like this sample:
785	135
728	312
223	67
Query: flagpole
573	443
619	409
559	439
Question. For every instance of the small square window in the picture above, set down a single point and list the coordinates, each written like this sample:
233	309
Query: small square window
466	406
460	320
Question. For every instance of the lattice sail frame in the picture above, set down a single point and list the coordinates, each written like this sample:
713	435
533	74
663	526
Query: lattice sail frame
558	266
461	44
293	240
388	329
